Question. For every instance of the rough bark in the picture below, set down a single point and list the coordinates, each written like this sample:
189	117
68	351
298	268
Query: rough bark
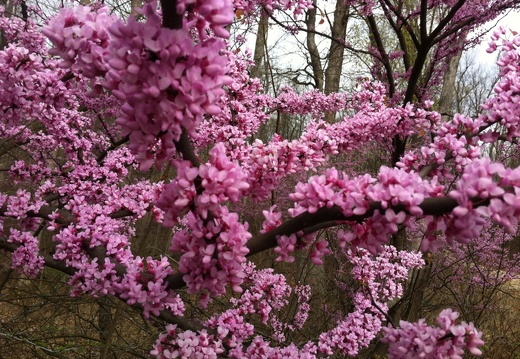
446	99
317	69
106	326
8	10
134	5
336	53
259	53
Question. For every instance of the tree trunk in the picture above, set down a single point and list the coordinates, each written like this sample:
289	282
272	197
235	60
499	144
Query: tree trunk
317	69
260	45
336	52
446	100
134	4
8	10
106	323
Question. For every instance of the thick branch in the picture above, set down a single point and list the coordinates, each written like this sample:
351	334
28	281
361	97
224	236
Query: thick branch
171	19
424	10
415	75
334	216
185	147
402	20
384	56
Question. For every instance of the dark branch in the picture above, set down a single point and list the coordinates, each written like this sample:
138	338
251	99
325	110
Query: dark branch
171	19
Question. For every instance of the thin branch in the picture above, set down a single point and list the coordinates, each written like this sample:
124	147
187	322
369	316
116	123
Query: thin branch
444	22
350	48
384	56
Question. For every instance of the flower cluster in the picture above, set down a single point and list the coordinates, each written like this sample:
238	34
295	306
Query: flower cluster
319	250
222	180
97	244
381	277
143	281
384	274
81	39
374	121
231	326
313	102
20	171
355	331
456	141
213	253
179	194
186	344
167	81
213	237
394	191
242	108
208	15
145	284
259	348
272	219
503	108
267	164
98	279
29	88
26	33
25	258
20	205
266	294
319	191
286	245
448	340
477	183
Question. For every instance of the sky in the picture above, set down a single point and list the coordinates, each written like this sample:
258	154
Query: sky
511	21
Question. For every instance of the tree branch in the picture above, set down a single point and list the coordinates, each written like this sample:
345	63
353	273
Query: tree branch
171	20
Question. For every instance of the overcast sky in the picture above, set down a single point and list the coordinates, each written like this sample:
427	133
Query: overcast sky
511	21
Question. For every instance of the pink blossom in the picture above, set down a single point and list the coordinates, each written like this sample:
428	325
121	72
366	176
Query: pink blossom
25	258
449	340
